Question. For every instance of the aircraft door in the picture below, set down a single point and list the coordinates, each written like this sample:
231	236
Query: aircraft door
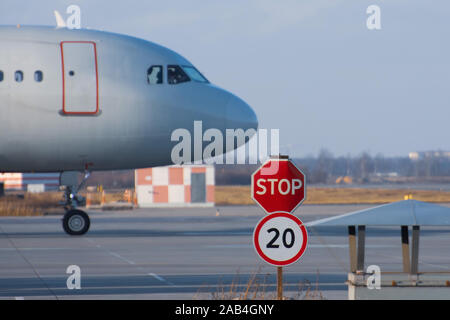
79	77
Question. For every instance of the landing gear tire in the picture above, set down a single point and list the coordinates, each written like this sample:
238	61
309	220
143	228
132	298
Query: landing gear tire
76	222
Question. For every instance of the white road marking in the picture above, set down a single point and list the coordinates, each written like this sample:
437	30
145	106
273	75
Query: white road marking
214	233
114	254
154	275
343	246
420	261
19	298
346	246
122	258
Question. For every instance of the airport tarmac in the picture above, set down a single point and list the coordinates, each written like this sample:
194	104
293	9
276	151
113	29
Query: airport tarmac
191	253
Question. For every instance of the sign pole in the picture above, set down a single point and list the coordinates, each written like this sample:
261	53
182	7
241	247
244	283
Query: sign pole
279	283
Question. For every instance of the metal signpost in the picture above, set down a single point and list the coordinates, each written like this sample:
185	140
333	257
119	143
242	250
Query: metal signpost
280	238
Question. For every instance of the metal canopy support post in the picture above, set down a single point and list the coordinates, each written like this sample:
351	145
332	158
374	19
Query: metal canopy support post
352	247
415	250
361	247
405	249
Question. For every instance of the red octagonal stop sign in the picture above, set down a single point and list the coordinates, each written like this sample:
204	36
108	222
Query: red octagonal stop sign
278	186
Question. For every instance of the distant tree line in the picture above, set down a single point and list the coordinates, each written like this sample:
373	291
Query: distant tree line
364	168
321	169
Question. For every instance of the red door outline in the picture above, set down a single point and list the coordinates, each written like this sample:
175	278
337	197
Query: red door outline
63	80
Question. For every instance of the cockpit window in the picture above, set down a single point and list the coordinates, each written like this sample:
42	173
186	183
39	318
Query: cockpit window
155	75
176	75
194	74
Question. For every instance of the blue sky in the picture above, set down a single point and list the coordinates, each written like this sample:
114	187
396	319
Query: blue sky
310	68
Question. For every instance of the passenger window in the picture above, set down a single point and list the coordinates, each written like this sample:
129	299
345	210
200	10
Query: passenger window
1	76
176	75
18	76
38	76
155	75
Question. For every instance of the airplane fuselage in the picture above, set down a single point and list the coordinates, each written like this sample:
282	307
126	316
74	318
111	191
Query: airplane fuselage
77	99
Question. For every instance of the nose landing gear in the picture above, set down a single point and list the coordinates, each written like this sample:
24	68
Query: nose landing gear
75	222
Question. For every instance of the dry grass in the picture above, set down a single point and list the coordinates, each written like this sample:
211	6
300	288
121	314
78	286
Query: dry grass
41	203
240	195
256	289
37	204
29	204
96	197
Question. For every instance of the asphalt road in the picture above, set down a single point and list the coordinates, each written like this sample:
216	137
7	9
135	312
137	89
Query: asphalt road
190	253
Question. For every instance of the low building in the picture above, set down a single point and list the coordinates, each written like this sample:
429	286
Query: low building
175	186
33	182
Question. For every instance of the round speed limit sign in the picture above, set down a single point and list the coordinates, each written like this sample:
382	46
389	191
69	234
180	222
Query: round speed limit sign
280	238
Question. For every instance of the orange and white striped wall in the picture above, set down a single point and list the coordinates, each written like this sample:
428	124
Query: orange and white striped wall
23	181
175	186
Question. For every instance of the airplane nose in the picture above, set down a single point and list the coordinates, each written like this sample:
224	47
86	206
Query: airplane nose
239	115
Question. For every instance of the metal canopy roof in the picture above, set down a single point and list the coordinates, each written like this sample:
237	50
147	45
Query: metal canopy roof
401	213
